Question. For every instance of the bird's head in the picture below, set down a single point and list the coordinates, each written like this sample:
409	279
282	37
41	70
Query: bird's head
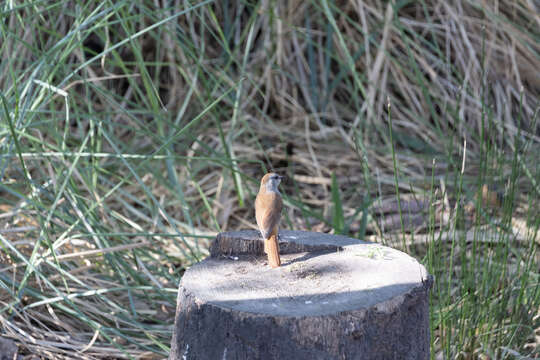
271	182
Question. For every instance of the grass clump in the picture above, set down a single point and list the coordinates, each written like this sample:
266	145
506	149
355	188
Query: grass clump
133	132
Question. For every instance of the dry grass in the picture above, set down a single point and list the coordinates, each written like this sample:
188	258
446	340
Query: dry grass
163	119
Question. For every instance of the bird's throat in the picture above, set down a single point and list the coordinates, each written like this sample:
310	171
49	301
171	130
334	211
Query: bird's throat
272	187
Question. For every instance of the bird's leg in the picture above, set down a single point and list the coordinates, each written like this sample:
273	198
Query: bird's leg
265	242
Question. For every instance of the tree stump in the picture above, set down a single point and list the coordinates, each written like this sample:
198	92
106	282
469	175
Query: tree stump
333	298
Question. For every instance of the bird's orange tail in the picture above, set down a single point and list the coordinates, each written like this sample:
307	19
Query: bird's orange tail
272	249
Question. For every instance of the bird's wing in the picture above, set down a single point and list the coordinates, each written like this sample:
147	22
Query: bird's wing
268	212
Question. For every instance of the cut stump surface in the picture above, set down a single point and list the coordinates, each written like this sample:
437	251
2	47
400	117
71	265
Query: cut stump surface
334	297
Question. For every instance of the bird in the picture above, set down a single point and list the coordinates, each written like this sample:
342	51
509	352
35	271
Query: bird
268	205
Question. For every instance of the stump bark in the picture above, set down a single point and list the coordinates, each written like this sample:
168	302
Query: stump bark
333	297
